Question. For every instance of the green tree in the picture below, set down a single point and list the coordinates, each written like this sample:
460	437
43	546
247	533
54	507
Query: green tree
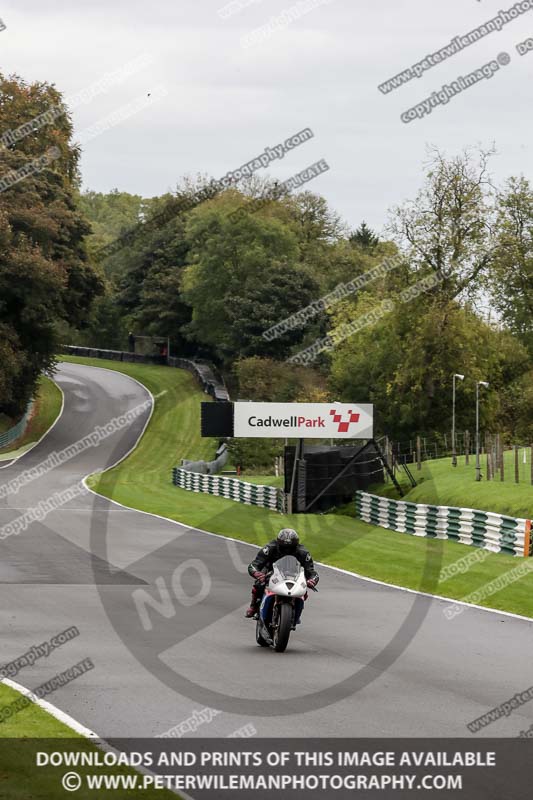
12	362
265	380
404	363
149	292
448	228
243	277
45	275
364	237
110	214
512	269
517	408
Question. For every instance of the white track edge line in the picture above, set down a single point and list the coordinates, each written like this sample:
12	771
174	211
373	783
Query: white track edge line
44	704
152	399
319	563
77	727
55	712
249	544
52	426
65	718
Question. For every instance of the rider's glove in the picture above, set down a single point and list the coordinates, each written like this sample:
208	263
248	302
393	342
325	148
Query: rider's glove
311	583
260	576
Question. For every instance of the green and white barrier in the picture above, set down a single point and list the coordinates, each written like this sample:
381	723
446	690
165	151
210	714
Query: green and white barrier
251	494
495	532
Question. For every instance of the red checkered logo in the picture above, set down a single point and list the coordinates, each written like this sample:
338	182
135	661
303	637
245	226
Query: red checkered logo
344	425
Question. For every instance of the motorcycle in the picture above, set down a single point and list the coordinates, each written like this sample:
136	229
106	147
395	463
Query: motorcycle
286	587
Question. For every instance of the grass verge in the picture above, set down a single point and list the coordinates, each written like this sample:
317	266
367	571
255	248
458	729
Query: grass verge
20	779
442	484
32	722
46	410
143	481
264	480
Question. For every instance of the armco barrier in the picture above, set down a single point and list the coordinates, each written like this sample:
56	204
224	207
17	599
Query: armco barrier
251	494
14	433
203	372
208	467
205	375
495	532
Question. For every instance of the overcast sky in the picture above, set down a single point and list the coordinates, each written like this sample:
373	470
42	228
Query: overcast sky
226	103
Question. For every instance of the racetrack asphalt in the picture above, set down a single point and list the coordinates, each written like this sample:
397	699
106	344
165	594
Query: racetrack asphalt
368	660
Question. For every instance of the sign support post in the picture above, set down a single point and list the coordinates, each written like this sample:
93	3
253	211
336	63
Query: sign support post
297	456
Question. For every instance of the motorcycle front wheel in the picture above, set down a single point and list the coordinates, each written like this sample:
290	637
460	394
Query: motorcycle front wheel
283	628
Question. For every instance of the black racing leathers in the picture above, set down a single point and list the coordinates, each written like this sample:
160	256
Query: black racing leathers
271	552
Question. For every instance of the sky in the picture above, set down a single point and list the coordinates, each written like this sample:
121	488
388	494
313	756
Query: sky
213	94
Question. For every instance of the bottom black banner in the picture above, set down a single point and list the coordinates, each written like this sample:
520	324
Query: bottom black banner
210	769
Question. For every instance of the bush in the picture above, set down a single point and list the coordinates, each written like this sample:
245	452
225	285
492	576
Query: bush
255	454
265	380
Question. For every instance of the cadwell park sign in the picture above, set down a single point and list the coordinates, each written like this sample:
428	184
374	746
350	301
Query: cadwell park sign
303	420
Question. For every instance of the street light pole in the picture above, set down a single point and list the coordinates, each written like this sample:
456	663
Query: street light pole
478	463
454	449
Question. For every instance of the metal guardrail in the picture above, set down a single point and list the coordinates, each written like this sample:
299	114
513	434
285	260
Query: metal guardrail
14	433
208	467
206	375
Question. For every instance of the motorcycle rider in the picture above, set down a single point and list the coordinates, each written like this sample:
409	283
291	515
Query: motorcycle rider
287	543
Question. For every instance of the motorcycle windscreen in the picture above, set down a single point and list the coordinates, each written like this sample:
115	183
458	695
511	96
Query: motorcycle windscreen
289	567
